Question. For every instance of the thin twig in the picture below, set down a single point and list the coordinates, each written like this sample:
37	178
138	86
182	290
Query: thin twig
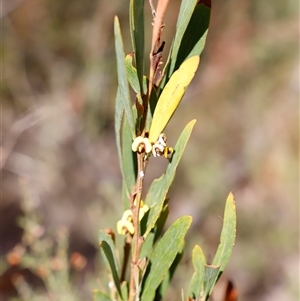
21	125
158	25
136	238
155	58
152	8
156	48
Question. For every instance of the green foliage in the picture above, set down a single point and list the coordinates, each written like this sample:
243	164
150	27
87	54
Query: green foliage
190	36
197	280
107	246
128	163
227	236
136	17
193	40
123	99
163	256
159	188
151	256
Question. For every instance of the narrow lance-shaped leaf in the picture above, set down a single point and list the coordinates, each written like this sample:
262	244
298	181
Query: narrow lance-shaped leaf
108	248
123	94
171	96
118	125
197	282
155	233
164	254
227	237
124	290
168	278
137	36
184	16
129	162
133	76
103	236
194	38
228	233
110	258
160	187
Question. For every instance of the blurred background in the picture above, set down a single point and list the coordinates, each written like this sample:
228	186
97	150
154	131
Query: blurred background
59	159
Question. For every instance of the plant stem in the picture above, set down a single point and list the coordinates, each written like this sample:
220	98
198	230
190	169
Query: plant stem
137	241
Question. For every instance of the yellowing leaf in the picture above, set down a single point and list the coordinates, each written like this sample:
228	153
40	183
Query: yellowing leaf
172	95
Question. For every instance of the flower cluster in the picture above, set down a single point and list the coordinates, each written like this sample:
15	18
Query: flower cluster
159	148
125	224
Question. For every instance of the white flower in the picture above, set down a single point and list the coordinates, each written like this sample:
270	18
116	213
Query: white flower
162	139
124	226
141	145
157	150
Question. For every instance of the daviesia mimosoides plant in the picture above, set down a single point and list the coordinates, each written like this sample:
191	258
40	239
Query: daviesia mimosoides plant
143	268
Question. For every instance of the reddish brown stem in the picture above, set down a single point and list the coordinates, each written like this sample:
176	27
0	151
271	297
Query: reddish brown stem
137	242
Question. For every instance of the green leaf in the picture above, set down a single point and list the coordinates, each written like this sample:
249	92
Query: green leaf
155	232
123	98
118	125
194	38
171	96
227	235
110	258
167	280
129	162
103	236
124	289
133	76
107	246
100	296
184	16
160	187
225	247
163	256
136	22
197	282
210	274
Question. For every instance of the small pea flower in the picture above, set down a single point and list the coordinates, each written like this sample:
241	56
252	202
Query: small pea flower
143	209
162	139
125	225
160	147
157	150
141	145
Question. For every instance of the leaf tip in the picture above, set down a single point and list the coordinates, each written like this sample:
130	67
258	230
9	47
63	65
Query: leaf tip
193	63
230	198
190	219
